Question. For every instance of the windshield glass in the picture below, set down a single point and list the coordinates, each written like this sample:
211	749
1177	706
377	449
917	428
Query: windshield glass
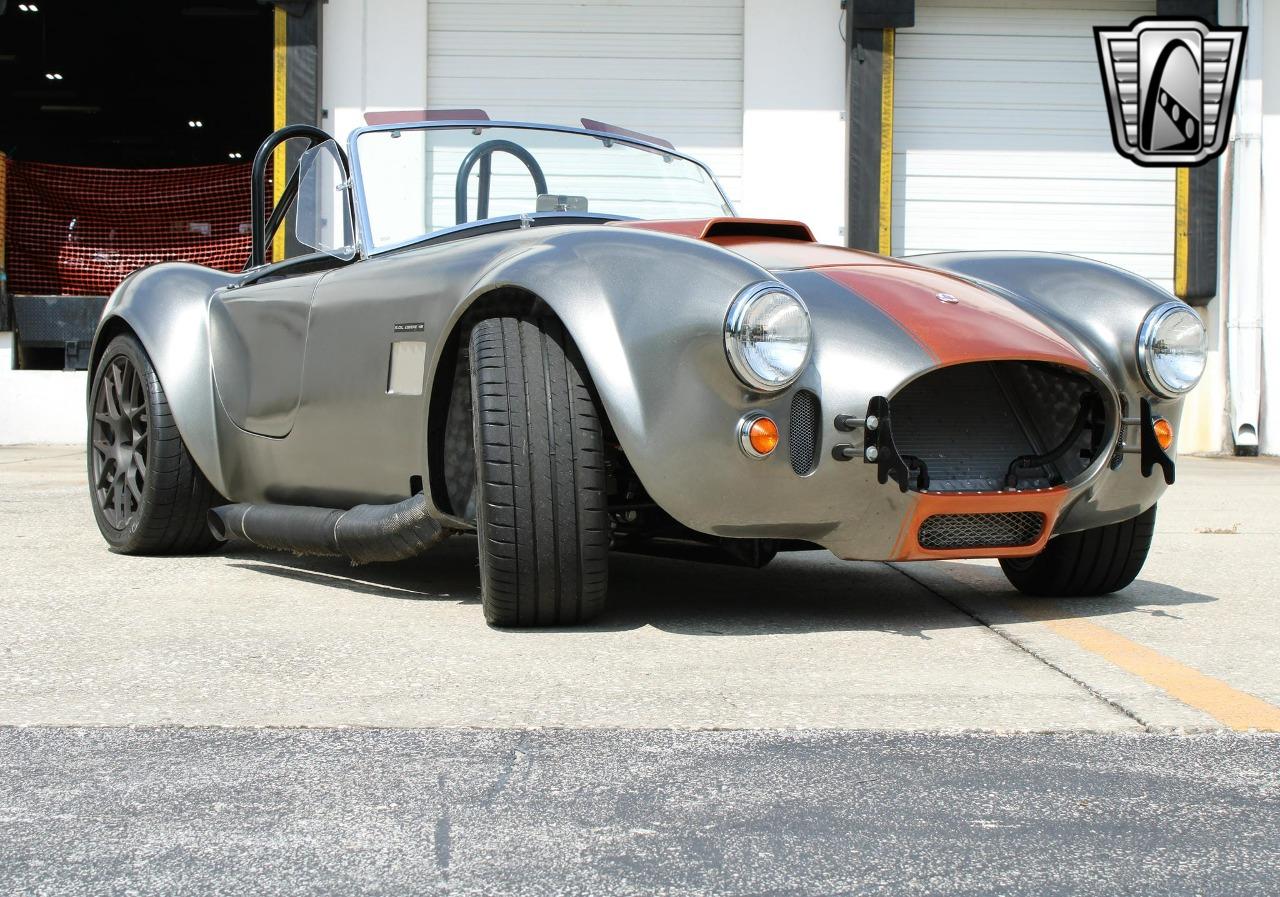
412	186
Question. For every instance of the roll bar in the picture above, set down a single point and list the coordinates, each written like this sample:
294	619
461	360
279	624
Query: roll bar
484	155
264	231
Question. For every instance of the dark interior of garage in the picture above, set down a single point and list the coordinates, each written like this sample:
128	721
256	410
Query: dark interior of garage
116	84
127	130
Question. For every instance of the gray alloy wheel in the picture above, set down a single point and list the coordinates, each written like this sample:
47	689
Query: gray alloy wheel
148	495
541	520
1096	561
118	445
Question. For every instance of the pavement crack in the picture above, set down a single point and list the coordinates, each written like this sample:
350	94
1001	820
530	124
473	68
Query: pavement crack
1081	683
519	752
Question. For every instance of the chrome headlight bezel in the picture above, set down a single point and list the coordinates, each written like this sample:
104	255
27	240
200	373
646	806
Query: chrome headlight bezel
1149	360
738	312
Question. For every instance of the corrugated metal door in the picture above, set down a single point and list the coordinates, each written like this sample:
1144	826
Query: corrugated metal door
671	68
1001	138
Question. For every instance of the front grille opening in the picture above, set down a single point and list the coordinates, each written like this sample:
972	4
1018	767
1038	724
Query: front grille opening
803	434
969	422
1007	530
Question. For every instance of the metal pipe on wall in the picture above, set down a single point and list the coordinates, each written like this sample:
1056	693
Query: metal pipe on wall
1244	279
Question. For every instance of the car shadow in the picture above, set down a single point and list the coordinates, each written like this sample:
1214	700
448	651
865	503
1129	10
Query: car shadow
1003	602
449	572
800	592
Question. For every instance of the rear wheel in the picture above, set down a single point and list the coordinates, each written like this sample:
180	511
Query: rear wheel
148	495
540	483
1092	562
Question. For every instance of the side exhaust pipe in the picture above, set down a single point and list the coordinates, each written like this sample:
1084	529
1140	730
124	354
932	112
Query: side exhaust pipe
365	533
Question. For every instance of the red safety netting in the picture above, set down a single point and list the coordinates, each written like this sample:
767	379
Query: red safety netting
78	231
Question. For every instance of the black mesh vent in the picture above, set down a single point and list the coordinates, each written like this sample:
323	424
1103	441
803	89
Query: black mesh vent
980	530
803	434
967	423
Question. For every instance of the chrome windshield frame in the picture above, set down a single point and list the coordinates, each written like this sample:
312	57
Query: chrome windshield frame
365	227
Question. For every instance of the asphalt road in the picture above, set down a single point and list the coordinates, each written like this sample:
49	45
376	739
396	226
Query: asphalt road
914	728
199	811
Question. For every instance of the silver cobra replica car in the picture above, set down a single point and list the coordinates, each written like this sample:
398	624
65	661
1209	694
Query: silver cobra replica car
565	341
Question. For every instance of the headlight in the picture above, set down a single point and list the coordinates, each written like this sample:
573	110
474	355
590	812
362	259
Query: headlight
1171	349
767	336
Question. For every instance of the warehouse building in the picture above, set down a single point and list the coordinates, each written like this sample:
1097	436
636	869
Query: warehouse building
903	126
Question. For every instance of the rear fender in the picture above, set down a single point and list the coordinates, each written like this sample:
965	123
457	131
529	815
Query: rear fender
166	307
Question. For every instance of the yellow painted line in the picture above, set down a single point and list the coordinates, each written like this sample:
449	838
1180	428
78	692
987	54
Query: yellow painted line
1233	708
281	88
1181	230
886	145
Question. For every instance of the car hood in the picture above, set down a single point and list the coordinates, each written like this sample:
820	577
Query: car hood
953	319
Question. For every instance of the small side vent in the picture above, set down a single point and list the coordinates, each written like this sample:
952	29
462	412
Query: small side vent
950	531
803	435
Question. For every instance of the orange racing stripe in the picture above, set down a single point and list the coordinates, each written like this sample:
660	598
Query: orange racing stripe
979	326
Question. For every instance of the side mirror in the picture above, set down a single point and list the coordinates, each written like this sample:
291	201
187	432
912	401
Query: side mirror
323	218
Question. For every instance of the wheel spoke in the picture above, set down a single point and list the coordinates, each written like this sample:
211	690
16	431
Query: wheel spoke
101	445
138	421
134	487
105	474
109	393
137	395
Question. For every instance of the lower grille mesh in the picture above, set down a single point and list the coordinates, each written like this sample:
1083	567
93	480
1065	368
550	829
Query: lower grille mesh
981	530
802	435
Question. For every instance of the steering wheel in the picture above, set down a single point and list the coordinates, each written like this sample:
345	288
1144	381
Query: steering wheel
483	153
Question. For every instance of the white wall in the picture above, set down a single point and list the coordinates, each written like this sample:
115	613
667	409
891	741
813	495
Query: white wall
43	407
793	135
374	57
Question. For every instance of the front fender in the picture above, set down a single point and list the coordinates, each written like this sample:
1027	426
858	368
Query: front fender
166	306
1103	308
646	311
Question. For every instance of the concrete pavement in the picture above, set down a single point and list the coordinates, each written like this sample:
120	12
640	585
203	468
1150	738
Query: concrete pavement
252	638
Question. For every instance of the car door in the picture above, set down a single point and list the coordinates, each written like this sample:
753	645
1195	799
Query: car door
258	338
258	327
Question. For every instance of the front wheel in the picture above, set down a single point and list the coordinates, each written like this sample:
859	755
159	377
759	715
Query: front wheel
541	518
148	495
1092	562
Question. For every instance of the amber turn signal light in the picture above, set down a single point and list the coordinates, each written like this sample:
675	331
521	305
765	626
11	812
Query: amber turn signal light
758	435
1164	432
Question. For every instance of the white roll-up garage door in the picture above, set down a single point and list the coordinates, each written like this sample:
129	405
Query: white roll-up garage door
1001	138
671	68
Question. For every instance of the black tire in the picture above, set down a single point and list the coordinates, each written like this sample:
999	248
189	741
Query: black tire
541	520
148	495
1092	562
